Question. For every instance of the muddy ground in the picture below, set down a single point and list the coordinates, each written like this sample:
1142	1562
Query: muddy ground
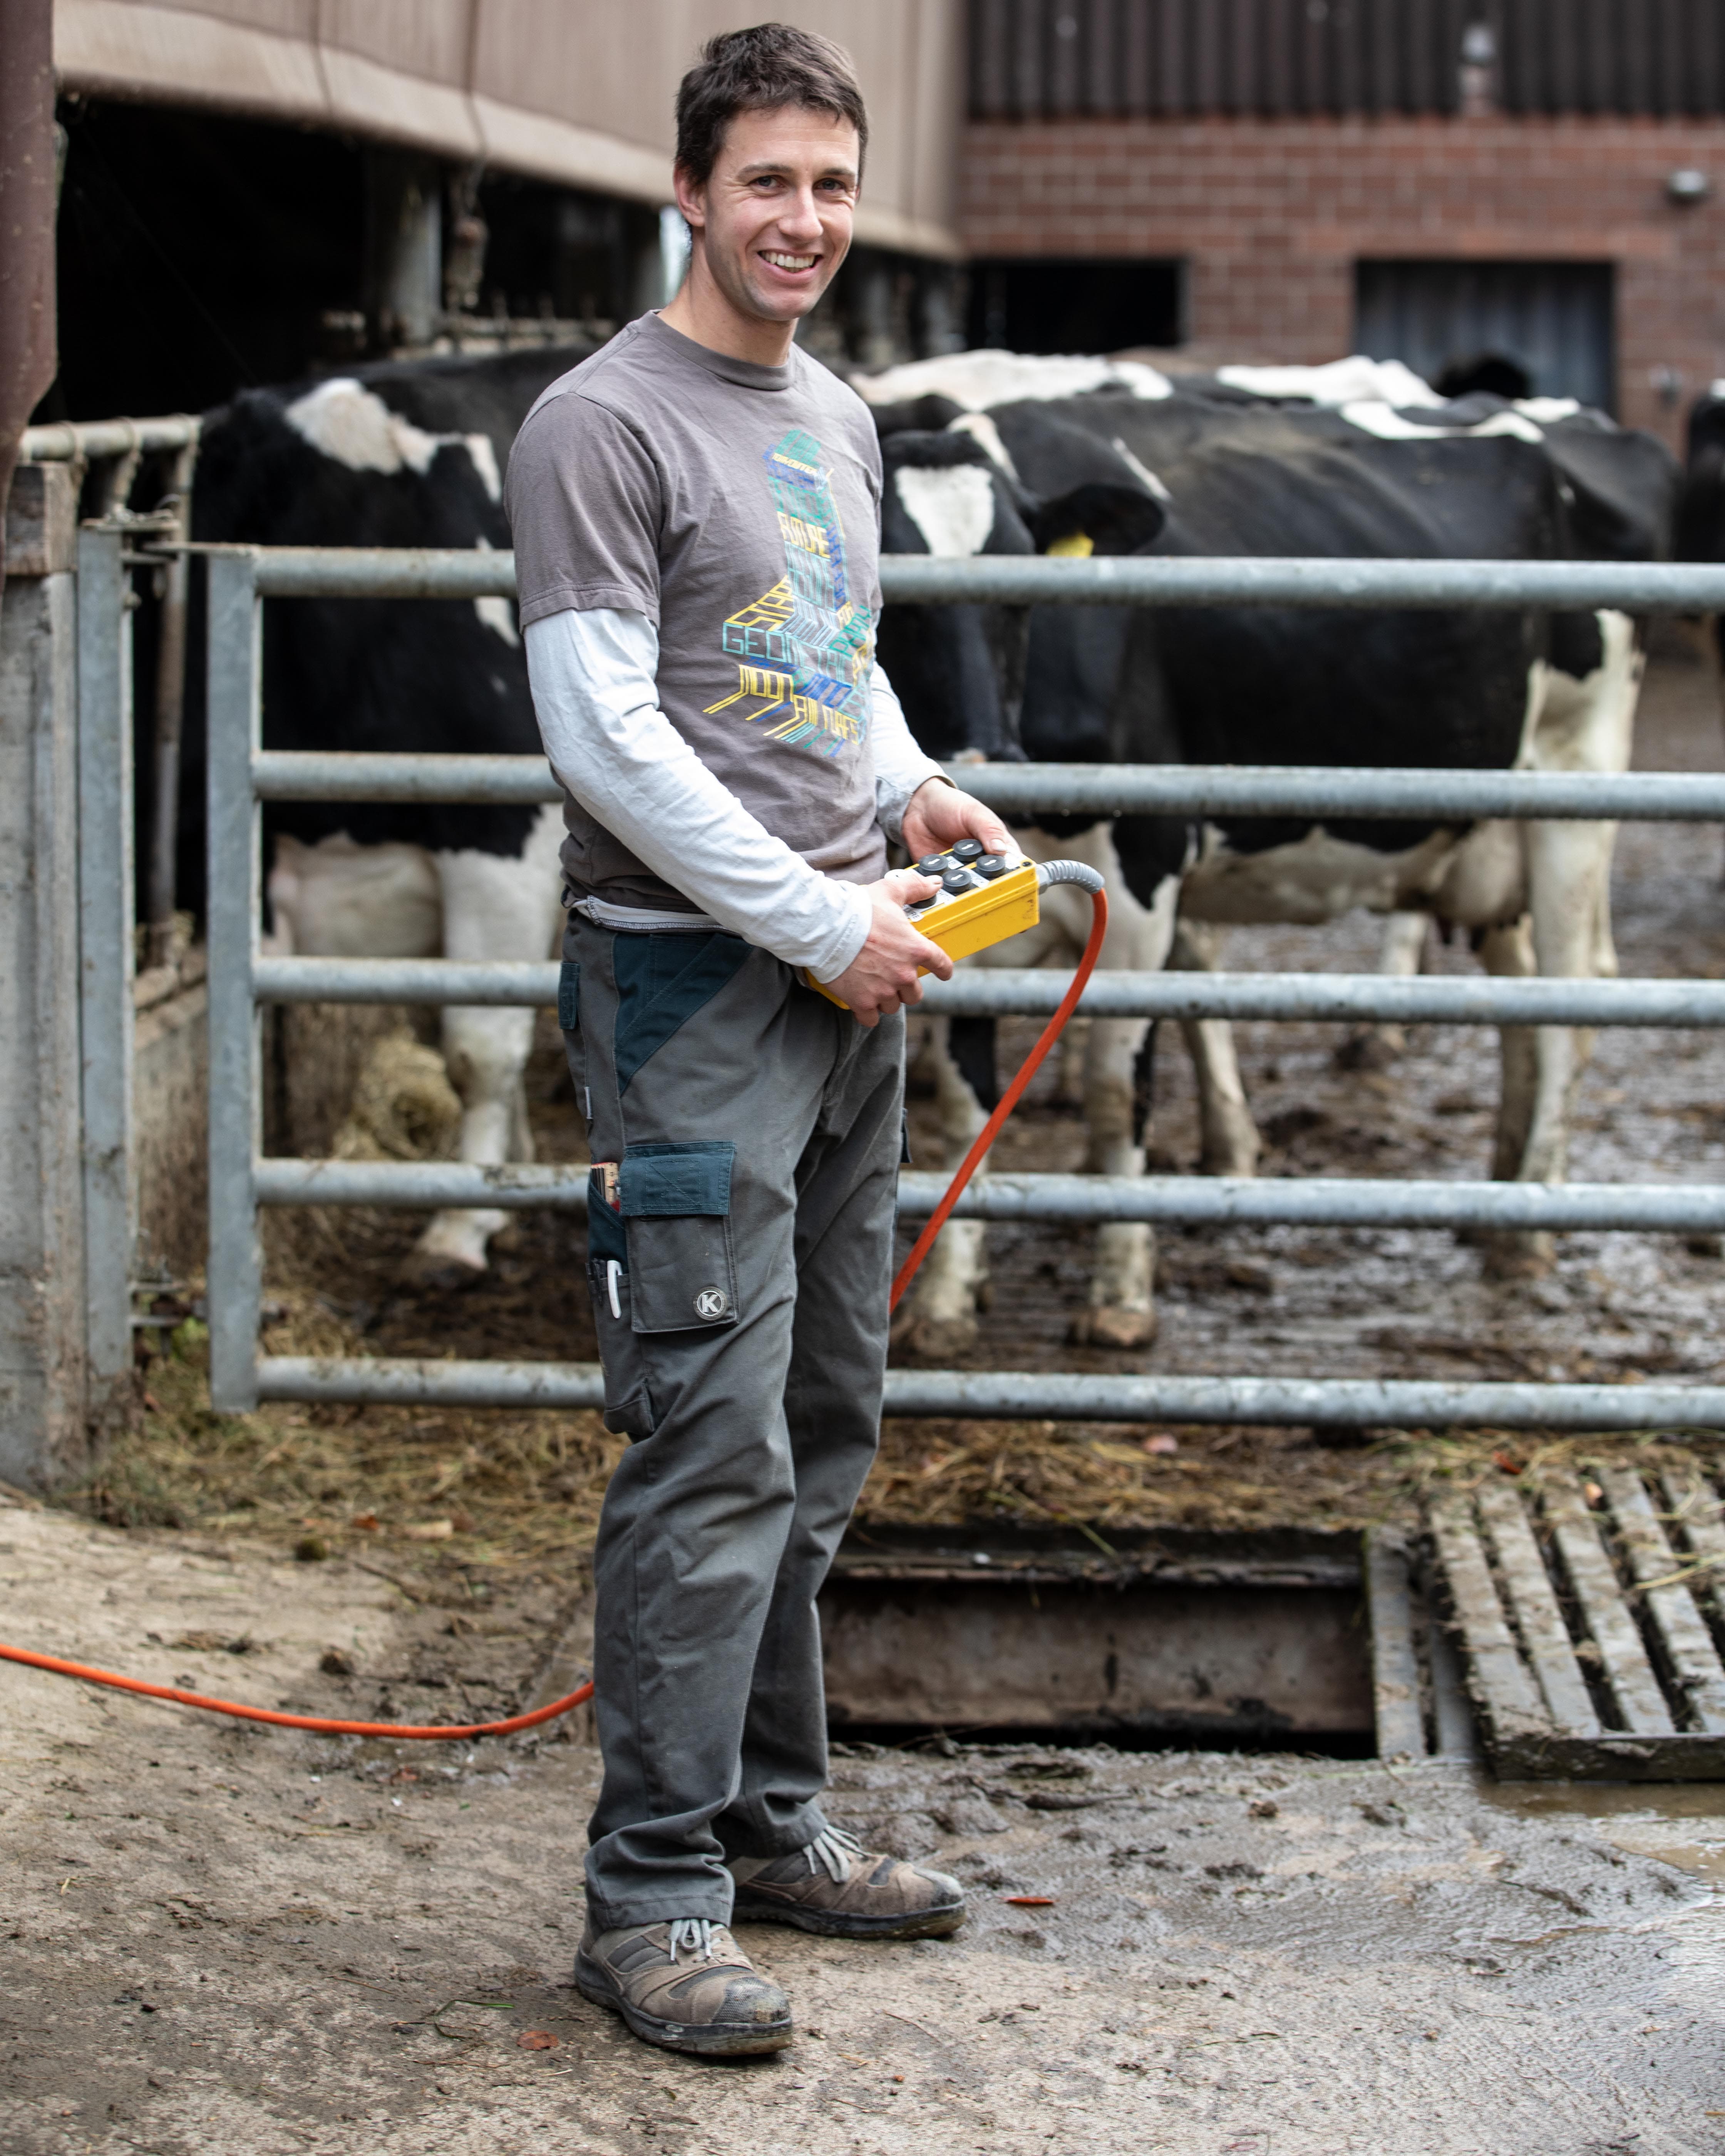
224	1938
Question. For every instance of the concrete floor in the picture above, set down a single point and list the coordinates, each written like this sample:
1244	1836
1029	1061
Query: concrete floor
222	1938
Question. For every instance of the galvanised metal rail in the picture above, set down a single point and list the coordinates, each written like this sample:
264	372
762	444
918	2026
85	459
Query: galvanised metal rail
1108	789
71	441
1102	580
1035	991
242	775
1239	1201
1009	1395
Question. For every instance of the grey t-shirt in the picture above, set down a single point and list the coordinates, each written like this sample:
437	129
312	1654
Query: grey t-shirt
737	507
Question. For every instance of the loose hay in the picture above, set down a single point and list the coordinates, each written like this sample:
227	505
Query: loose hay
404	1107
525	1490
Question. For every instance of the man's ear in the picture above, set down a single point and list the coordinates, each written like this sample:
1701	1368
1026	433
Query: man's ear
691	198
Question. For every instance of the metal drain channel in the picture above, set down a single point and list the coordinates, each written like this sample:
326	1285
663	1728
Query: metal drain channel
1278	1639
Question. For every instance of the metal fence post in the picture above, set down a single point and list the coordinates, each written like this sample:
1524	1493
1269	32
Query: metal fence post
105	962
235	690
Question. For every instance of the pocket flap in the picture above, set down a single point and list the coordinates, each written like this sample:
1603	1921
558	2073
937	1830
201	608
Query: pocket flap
675	1180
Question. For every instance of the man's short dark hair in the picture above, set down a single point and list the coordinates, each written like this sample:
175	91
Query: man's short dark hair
760	70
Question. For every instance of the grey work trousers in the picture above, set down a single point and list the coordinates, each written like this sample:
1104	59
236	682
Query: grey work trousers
740	1290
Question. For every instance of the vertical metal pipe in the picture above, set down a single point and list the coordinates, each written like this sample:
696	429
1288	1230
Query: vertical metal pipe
105	959
235	1280
159	878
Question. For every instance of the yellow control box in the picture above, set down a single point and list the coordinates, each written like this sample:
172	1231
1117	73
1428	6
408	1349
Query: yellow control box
983	899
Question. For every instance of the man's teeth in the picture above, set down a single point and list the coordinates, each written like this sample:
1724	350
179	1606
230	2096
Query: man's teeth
791	261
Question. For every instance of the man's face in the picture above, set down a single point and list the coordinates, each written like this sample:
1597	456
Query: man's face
774	218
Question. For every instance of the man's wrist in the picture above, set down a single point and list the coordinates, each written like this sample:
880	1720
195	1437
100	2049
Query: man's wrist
846	946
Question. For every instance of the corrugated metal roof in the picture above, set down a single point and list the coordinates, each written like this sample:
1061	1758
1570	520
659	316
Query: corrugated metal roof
1033	58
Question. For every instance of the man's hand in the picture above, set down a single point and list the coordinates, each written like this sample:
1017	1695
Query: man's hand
882	976
939	816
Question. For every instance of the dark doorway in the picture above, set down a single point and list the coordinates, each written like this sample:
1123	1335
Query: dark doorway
1077	306
197	255
1547	322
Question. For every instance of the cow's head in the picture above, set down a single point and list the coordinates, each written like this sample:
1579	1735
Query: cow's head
958	670
1701	502
1089	495
961	671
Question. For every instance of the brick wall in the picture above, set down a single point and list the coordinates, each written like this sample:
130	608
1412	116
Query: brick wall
1271	215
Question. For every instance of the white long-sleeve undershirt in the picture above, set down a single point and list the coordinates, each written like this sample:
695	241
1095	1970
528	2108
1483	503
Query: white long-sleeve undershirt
595	693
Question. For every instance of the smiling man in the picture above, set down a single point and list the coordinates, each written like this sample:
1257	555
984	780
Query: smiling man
696	517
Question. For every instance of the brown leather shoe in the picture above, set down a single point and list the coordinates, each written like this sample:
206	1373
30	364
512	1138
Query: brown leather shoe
836	1886
687	1985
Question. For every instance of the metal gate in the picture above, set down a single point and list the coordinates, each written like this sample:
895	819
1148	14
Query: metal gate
242	774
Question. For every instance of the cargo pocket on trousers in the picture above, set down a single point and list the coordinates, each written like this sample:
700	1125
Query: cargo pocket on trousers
676	1219
629	1402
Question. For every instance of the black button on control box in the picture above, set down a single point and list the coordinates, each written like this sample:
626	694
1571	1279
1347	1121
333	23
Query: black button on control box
932	864
990	866
967	850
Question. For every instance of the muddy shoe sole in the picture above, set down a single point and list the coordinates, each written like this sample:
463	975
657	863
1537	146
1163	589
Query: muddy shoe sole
716	2039
935	1923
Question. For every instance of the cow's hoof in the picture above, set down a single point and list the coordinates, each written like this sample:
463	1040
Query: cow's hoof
1110	1325
440	1272
1515	1256
937	1340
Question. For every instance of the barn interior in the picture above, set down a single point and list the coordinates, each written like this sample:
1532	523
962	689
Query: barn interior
1127	1679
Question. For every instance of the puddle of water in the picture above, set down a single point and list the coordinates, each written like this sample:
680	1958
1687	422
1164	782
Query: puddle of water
1681	1824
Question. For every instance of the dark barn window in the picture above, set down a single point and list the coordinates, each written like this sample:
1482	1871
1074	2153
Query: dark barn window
1543	328
1081	306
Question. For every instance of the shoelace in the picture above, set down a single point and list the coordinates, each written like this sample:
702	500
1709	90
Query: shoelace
833	1848
695	1934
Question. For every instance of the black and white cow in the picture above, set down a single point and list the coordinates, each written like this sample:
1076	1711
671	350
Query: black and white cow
1701	504
405	455
1357	461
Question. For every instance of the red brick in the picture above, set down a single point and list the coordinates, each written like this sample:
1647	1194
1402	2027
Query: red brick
1271	215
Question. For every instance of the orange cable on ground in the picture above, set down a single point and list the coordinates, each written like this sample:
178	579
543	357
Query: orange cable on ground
328	1726
1009	1100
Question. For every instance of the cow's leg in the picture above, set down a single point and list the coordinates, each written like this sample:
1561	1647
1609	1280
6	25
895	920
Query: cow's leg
942	1319
495	906
1569	875
1375	1047
1585	724
1074	1047
1516	1253
1120	1311
1229	1142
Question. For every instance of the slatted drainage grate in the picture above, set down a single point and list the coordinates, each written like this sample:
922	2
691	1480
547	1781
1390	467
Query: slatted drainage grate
1246	1641
1591	1616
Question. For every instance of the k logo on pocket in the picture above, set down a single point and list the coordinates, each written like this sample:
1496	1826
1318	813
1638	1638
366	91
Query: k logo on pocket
711	1302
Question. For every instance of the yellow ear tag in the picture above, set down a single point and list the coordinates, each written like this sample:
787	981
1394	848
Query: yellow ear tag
1077	544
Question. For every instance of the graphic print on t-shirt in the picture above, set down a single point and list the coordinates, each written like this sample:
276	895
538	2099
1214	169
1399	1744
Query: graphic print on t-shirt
803	649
